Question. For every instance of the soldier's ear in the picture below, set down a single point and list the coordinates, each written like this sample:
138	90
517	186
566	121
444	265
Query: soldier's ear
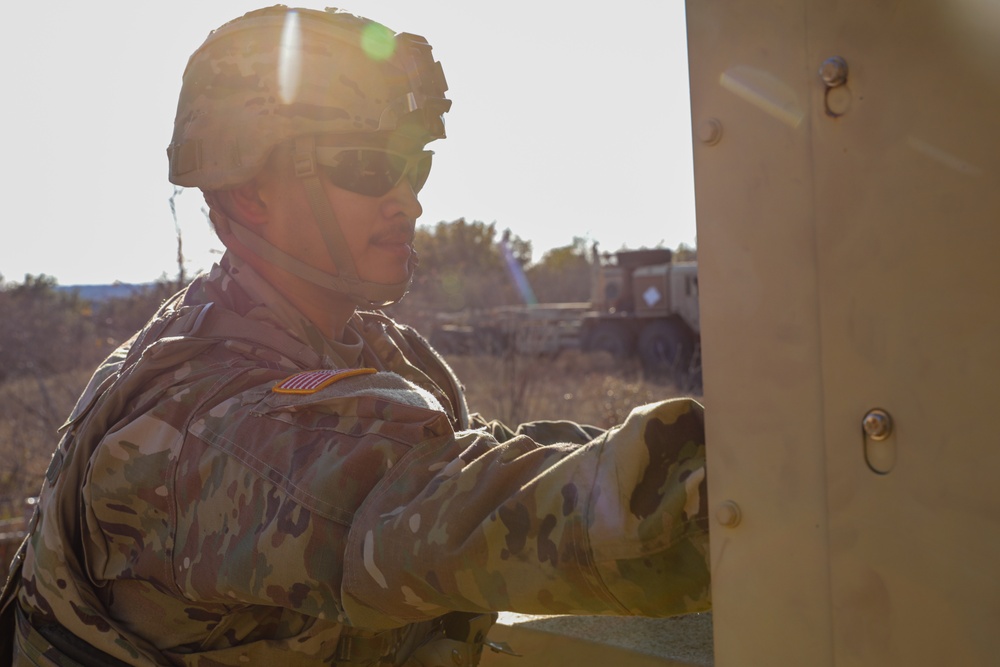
245	204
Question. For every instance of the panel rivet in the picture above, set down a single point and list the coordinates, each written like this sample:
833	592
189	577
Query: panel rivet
728	514
710	131
877	424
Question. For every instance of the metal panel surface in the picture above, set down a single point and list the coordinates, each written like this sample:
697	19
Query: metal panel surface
848	243
752	112
908	206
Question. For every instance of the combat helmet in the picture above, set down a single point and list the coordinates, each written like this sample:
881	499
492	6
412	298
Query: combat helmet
283	74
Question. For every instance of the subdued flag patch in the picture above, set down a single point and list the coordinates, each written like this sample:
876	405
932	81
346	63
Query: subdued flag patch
309	382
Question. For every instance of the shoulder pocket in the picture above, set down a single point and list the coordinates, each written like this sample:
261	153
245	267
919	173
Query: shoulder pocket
326	449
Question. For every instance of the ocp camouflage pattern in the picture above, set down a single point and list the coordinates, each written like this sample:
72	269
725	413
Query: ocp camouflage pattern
614	526
193	516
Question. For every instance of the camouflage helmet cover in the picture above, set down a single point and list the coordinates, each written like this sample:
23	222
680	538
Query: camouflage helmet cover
279	73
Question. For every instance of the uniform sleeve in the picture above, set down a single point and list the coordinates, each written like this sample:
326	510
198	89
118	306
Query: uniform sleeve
617	525
542	432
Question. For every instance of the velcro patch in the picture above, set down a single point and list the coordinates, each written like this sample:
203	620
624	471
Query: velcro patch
310	382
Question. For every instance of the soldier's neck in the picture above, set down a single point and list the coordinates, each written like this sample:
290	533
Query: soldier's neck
329	311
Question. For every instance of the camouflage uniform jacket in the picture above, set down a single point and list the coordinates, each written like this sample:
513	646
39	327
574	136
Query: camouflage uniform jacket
197	513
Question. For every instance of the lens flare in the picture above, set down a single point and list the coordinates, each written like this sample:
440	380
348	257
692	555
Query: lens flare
517	273
290	59
377	41
765	91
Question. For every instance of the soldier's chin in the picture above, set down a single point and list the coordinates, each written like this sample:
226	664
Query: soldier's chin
394	265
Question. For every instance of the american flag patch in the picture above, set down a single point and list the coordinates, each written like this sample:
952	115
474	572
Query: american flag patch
310	382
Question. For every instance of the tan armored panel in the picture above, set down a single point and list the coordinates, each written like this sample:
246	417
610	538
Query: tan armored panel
847	175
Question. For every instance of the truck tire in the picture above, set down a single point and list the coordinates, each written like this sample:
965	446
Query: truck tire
665	348
488	340
611	337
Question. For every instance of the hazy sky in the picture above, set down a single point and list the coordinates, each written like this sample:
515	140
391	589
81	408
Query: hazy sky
569	119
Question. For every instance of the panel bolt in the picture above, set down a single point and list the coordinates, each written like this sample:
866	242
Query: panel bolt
877	424
833	71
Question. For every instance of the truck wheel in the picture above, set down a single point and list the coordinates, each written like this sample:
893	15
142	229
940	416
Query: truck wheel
612	338
493	342
665	348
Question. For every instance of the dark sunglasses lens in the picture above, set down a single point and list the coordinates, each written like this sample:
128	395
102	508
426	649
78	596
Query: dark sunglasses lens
373	173
420	168
364	172
420	171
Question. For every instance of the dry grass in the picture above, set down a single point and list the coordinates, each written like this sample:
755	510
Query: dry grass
589	389
586	388
31	411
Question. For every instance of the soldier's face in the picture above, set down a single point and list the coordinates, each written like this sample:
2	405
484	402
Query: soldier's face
378	230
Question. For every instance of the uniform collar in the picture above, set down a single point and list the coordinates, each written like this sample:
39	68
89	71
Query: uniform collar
254	298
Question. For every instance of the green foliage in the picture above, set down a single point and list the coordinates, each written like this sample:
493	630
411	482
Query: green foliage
685	253
461	267
563	275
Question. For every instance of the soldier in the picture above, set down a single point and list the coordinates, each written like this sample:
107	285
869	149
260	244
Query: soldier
274	472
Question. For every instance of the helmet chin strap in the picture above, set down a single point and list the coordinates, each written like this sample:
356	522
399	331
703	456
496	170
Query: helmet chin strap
364	293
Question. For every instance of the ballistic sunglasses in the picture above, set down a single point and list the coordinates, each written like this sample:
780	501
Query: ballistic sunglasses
373	171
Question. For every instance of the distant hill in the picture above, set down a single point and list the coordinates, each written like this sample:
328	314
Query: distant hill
99	293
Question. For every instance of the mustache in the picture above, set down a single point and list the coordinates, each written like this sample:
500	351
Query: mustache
395	233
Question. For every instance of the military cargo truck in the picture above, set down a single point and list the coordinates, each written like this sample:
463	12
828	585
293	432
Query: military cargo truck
643	305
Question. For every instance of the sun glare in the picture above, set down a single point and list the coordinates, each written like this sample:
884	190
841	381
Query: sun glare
289	59
378	42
